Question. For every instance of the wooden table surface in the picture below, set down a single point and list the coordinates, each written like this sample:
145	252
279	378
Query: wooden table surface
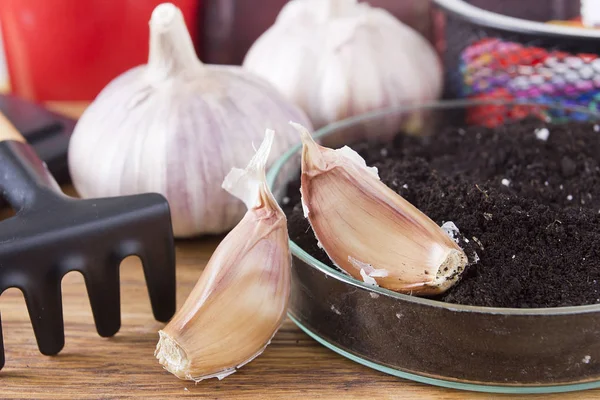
90	367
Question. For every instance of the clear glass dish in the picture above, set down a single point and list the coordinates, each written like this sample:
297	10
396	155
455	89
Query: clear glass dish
501	350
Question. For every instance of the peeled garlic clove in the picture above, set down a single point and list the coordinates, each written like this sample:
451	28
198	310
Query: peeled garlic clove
241	298
368	230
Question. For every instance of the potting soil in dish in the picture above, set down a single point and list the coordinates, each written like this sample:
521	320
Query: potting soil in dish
526	197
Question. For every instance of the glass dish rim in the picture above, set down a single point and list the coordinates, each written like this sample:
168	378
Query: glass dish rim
439	382
298	252
491	19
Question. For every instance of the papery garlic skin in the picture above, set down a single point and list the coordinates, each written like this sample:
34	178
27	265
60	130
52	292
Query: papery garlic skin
368	230
176	127
590	13
341	58
241	299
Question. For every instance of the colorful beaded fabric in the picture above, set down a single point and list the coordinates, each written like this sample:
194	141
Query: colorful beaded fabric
498	69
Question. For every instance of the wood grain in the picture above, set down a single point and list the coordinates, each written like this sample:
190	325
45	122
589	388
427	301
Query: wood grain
8	131
90	367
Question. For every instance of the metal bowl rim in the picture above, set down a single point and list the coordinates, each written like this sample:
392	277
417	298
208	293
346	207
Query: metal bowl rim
494	20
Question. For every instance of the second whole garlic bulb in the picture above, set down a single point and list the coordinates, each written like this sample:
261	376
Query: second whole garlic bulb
340	58
176	126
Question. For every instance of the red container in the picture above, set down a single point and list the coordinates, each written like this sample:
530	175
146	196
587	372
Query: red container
68	50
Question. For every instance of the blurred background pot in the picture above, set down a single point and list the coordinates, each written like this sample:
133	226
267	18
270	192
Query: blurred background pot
68	50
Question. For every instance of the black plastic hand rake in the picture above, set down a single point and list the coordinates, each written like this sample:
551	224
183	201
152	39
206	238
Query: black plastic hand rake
52	234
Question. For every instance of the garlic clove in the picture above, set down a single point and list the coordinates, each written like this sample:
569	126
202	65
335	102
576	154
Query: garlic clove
241	298
368	230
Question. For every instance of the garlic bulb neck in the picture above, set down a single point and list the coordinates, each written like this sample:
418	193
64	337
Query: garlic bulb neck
335	8
171	48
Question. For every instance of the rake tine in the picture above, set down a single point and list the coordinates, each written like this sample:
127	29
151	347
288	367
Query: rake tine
160	280
71	232
103	287
44	303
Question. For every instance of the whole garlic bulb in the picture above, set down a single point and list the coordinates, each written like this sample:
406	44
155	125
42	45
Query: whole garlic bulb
340	58
176	126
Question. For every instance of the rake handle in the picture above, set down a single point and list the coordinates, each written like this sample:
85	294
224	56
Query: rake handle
8	131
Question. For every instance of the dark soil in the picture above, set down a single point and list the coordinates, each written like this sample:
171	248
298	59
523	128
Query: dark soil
537	239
